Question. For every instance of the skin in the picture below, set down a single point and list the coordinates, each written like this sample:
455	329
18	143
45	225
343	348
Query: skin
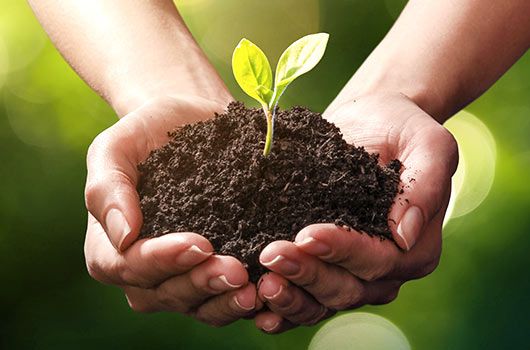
177	272
144	62
327	268
437	58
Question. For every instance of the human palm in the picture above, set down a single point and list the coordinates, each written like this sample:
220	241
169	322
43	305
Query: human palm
340	270
176	272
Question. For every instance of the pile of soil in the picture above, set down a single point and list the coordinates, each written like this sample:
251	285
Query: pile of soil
212	178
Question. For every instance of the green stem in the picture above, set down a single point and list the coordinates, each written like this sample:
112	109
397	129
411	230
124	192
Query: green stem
270	131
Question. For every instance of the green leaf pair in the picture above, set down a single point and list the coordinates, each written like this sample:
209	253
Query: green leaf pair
254	74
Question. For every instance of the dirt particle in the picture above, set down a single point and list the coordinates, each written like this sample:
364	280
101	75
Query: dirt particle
212	179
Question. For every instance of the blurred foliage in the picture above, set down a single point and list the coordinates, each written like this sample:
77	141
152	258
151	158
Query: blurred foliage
476	299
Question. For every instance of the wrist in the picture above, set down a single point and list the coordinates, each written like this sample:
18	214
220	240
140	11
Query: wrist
191	75
127	100
387	82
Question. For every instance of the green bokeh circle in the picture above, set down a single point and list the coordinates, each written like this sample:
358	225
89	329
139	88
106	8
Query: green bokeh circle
359	331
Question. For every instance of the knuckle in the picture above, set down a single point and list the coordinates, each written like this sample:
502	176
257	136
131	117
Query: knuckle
95	270
390	297
426	264
139	306
347	299
368	276
314	317
448	142
115	180
428	268
157	258
308	279
448	138
212	322
442	134
166	296
92	190
374	273
98	143
339	257
124	274
105	186
293	307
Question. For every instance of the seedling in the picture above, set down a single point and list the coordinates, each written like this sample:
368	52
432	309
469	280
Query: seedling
254	74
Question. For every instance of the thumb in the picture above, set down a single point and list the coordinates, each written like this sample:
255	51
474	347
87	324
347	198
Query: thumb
110	192
430	162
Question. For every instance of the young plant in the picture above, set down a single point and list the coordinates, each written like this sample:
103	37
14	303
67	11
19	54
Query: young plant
254	74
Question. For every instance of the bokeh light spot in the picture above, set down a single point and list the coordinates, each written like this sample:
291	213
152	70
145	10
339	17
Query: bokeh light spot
30	121
4	62
272	25
359	331
476	169
22	33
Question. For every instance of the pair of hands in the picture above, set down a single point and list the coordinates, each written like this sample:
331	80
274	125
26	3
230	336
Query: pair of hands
324	270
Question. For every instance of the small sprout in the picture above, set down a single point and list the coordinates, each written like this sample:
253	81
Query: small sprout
254	74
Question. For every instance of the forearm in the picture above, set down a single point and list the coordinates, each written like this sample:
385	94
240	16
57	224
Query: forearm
130	51
444	54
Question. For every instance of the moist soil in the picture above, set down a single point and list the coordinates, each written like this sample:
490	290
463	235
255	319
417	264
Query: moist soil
212	179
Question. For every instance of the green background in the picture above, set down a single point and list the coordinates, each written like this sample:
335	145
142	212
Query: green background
478	298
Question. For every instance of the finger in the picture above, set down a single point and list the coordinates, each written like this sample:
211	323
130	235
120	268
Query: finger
110	192
425	255
148	262
272	323
382	292
369	258
186	292
331	285
366	257
429	158
290	301
279	295
228	307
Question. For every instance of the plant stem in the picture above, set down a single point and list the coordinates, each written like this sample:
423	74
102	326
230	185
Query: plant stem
270	131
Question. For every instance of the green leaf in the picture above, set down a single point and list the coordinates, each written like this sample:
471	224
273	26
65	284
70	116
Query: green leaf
299	58
253	71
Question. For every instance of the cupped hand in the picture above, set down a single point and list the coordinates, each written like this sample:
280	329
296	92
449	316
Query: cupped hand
176	272
329	268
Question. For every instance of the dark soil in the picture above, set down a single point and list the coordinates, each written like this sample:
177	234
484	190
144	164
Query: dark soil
213	179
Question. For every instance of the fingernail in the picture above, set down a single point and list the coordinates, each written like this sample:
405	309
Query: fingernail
220	283
241	306
283	265
314	247
270	326
282	297
192	256
275	294
410	226
117	228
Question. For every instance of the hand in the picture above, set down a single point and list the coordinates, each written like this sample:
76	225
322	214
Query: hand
178	271
328	268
